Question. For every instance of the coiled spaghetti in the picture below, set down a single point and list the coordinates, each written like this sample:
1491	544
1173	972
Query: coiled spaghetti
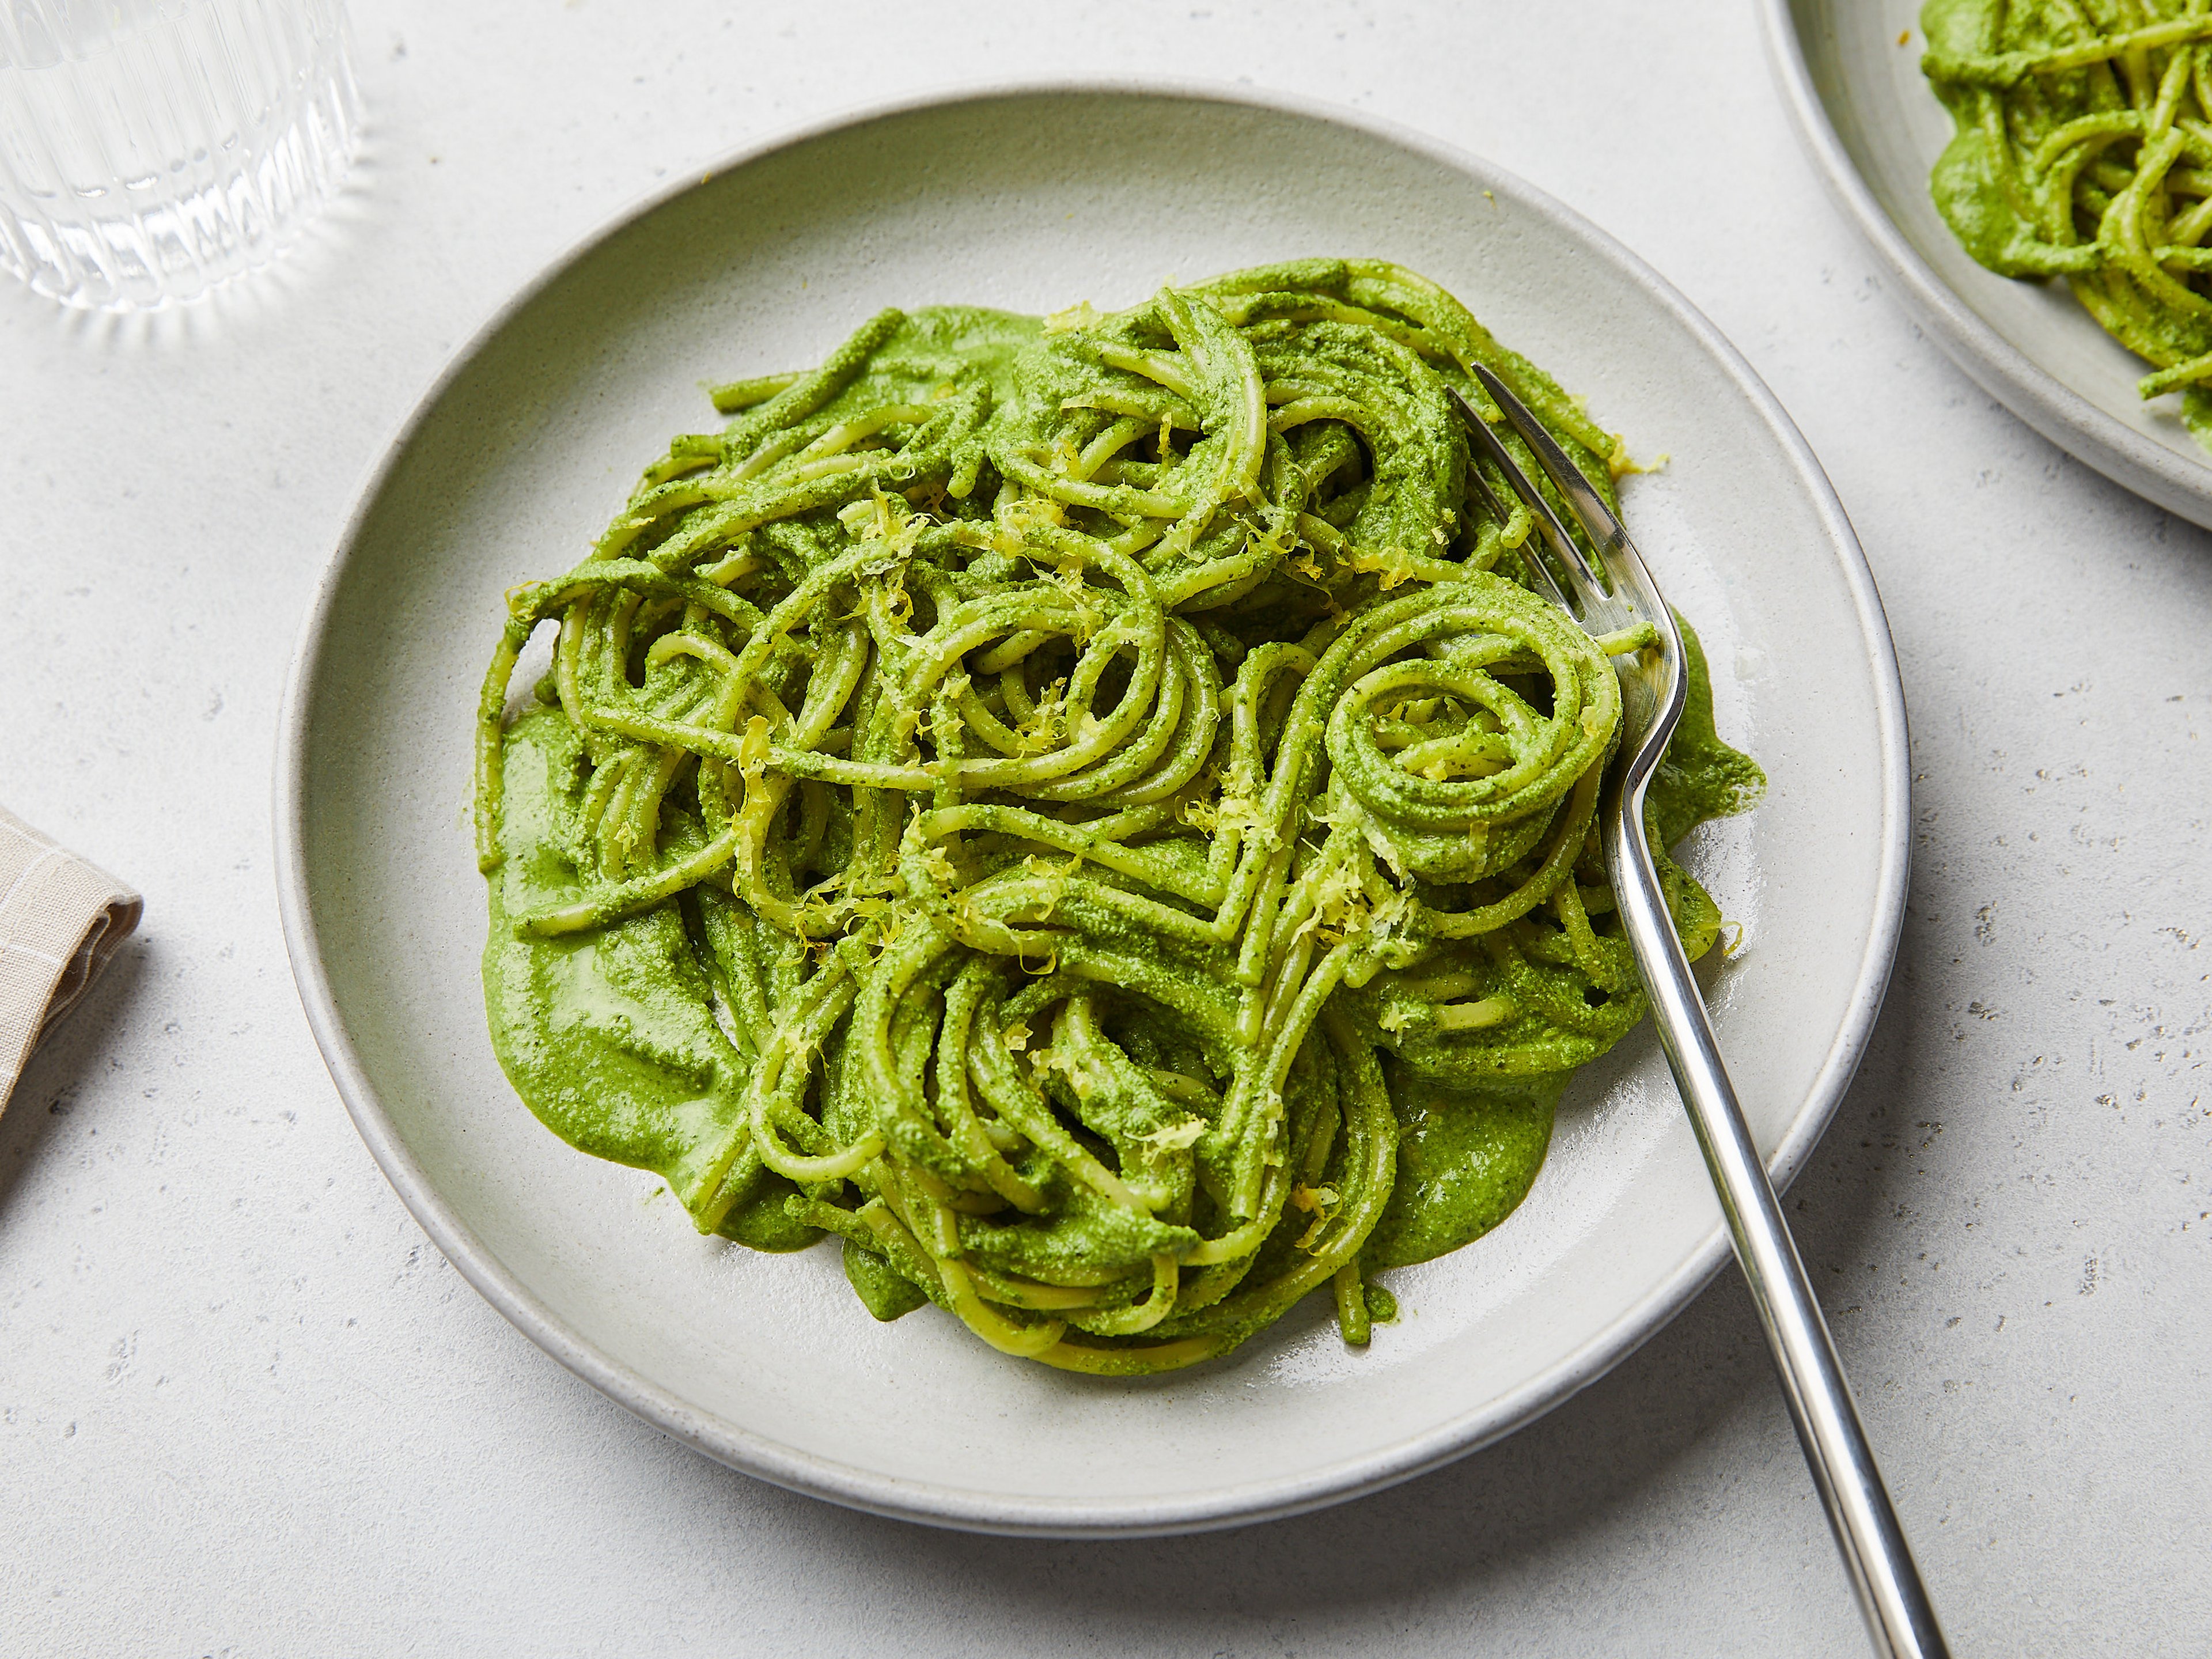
1041	800
2084	150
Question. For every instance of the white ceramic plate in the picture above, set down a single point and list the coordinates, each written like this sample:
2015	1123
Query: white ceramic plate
1874	129
1033	199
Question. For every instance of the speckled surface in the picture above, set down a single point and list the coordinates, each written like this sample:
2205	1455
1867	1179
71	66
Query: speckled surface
246	1409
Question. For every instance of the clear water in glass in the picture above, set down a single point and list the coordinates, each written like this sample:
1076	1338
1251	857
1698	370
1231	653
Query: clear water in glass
151	149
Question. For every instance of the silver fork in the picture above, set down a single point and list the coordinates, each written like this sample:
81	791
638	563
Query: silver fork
1898	1616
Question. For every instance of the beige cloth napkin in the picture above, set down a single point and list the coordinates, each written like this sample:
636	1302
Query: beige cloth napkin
61	919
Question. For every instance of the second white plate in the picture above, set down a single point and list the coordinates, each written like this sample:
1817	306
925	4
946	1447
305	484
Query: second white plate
1033	199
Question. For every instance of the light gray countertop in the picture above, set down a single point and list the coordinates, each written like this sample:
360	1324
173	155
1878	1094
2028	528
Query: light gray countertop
247	1408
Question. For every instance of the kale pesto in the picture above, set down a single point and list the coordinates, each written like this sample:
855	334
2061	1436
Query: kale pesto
2084	150
1089	811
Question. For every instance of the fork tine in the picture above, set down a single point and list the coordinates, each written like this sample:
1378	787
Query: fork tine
1540	571
1555	532
1589	507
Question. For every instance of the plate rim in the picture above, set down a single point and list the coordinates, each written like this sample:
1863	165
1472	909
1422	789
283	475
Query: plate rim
2031	392
1234	1504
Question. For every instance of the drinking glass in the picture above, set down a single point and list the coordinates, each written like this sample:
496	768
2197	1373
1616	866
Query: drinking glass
149	150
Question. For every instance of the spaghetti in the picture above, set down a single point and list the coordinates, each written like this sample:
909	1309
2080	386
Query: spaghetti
2084	150
1091	812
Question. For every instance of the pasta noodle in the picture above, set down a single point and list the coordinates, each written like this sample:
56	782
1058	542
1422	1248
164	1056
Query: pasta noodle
1078	809
2084	150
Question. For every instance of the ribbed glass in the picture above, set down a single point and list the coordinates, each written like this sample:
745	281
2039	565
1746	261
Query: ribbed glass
151	149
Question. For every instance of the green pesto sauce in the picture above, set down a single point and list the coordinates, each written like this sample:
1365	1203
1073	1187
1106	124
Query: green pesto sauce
1466	1159
882	1290
612	1035
1976	184
935	344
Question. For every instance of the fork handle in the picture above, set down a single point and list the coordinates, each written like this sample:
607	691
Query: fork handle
1900	1619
